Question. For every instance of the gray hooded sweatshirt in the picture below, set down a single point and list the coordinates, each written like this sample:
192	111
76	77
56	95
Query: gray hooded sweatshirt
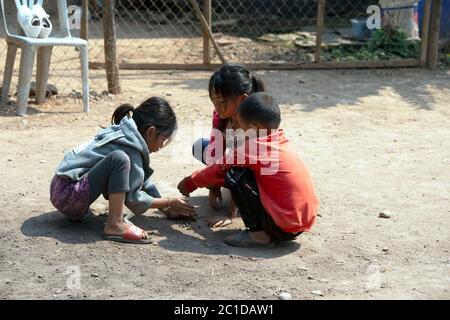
126	137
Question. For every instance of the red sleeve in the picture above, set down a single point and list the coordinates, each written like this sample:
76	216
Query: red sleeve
213	175
210	177
253	154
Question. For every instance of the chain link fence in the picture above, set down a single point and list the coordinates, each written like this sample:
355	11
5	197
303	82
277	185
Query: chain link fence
444	52
247	31
161	32
256	32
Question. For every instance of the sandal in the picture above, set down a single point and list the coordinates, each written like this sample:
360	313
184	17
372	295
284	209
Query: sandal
244	240
132	235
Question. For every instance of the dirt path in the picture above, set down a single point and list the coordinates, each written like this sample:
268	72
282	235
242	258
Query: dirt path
373	141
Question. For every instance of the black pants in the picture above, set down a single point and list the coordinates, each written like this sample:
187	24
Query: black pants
244	190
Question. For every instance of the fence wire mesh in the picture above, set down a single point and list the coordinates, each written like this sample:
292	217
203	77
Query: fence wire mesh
444	48
247	31
170	32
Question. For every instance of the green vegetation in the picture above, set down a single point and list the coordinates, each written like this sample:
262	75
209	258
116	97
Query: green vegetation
385	44
445	60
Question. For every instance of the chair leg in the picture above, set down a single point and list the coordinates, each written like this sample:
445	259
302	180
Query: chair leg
25	73
44	55
85	76
9	68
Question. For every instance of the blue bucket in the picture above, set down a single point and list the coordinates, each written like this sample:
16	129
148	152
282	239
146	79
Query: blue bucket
359	29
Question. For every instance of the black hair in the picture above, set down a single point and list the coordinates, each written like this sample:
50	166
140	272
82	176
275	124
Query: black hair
261	108
232	80
154	112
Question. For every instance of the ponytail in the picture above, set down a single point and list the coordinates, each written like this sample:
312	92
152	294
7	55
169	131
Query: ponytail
257	84
154	112
121	112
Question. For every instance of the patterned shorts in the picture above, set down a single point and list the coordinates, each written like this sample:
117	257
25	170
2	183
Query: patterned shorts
71	198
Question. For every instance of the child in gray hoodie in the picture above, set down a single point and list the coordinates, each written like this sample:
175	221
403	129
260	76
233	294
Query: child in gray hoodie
116	163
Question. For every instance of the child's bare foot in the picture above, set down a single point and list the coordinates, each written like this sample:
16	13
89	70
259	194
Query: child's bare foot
260	237
220	222
249	239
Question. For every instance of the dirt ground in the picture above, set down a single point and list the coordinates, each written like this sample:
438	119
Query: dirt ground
373	140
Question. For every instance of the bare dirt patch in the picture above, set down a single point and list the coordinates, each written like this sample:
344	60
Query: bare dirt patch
374	141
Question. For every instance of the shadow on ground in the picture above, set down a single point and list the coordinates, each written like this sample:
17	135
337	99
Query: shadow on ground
175	235
324	89
9	110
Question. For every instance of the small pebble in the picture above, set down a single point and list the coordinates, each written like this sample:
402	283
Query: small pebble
317	293
285	296
385	214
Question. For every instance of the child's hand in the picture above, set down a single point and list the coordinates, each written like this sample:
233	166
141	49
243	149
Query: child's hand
219	222
215	198
179	208
186	186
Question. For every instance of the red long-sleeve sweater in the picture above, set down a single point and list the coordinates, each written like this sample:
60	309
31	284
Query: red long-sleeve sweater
284	183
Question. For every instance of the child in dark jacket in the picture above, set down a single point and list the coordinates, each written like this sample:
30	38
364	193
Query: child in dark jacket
116	163
269	183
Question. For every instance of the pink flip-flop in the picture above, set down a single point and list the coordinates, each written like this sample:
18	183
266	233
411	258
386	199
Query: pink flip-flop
132	235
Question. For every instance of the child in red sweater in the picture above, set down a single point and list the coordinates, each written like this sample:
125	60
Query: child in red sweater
268	181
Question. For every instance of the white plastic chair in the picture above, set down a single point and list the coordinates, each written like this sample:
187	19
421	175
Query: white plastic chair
43	47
